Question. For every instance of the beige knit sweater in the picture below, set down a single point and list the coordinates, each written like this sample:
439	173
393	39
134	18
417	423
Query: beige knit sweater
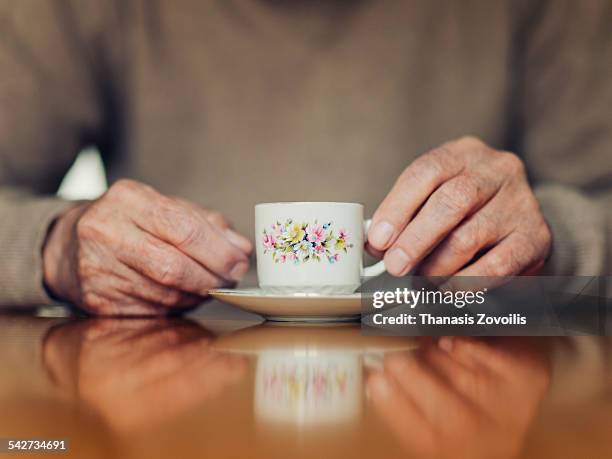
233	102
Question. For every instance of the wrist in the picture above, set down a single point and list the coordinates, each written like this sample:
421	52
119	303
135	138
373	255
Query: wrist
58	254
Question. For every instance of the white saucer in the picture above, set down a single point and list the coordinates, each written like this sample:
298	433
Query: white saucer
310	307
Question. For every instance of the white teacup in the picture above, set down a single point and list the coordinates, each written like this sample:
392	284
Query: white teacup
311	247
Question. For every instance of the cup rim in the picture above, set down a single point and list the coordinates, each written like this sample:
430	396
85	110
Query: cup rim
289	203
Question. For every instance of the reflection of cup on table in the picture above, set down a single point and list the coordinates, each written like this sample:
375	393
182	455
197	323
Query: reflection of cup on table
308	387
311	247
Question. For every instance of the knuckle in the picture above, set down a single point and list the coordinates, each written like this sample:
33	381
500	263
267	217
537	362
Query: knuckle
414	243
433	166
427	167
463	241
90	299
545	235
470	141
178	223
86	270
512	163
216	218
189	232
169	298
413	174
458	196
496	266
451	204
209	282
502	264
525	246
93	302
123	186
435	161
170	272
227	260
465	189
430	269
89	226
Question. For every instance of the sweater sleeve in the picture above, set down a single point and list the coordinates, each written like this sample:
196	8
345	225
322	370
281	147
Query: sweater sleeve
565	117
48	112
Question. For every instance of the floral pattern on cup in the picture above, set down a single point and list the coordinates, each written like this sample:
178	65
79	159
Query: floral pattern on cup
292	242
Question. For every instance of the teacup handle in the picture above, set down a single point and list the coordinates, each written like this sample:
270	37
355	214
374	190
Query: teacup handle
377	268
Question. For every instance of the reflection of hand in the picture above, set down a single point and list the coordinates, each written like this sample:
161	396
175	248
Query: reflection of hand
455	202
463	398
135	251
138	372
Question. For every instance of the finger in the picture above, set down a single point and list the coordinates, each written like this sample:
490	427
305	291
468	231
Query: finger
443	211
475	234
534	269
510	257
196	237
213	216
239	241
218	219
374	252
188	231
165	264
134	284
409	193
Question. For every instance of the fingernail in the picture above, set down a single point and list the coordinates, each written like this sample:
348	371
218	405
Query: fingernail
397	261
239	270
446	343
378	386
239	241
380	234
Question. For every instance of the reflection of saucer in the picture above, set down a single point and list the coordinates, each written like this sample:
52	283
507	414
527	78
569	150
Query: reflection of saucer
343	337
293	307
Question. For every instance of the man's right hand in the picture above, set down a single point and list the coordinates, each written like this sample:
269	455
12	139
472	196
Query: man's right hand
137	252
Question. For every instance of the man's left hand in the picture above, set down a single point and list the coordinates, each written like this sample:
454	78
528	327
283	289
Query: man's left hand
462	209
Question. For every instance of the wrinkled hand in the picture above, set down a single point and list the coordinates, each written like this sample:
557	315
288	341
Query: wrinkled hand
463	398
455	203
136	251
137	373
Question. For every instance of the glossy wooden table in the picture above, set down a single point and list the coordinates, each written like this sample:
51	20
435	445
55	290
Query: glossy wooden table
208	387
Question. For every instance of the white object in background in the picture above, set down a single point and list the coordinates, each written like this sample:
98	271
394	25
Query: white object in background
85	179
